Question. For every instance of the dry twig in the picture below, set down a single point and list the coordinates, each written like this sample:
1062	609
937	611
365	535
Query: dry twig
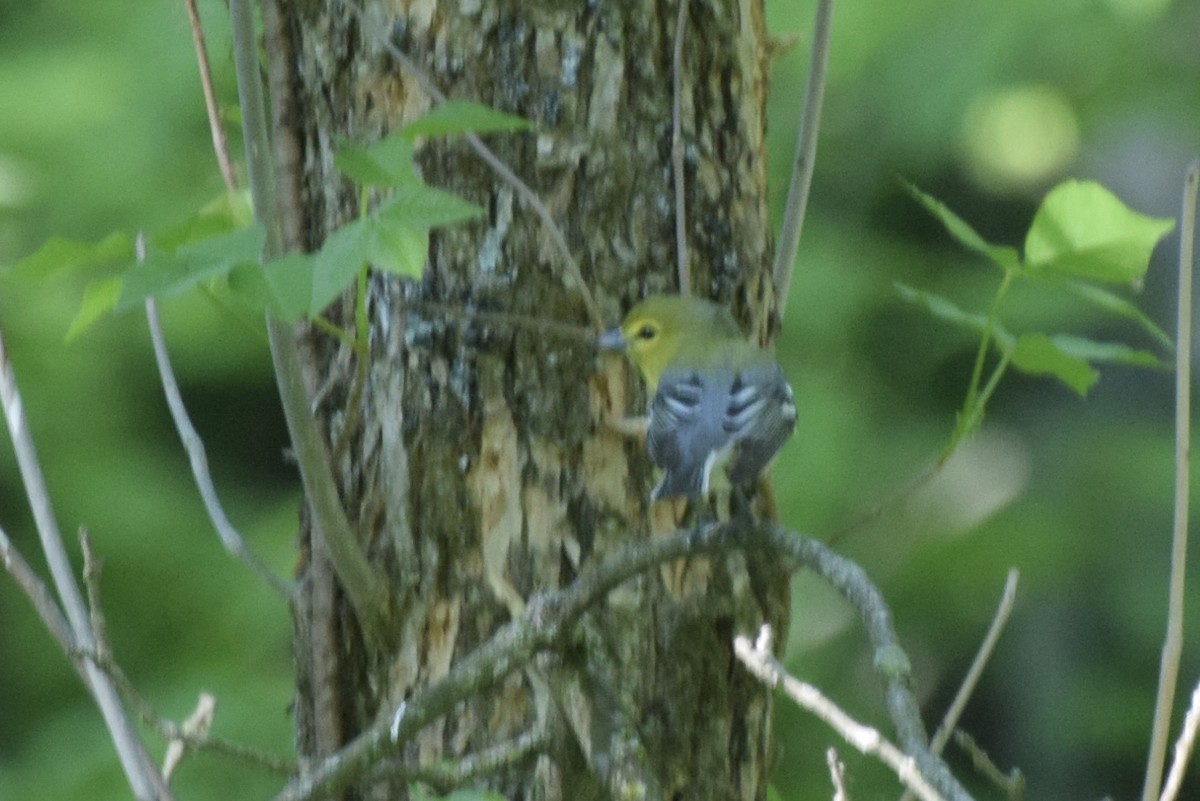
683	265
837	775
140	772
216	128
1183	749
806	156
759	660
198	457
1172	651
971	680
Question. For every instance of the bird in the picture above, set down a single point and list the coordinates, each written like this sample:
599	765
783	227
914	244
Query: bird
717	399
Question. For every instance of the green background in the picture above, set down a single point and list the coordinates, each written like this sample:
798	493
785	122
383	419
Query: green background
984	104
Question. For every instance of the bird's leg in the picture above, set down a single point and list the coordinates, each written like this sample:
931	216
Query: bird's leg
740	509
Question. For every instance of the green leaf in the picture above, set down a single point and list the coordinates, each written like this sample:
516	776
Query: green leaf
344	253
1037	354
394	238
283	286
464	116
1119	306
99	299
290	280
1111	352
1005	257
229	212
423	206
162	274
69	254
946	310
1083	230
388	162
398	248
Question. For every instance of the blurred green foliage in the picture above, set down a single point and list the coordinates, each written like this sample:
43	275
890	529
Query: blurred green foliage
984	105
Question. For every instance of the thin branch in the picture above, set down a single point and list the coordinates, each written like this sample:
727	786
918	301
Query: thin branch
1183	749
171	731
196	724
551	616
140	772
950	720
364	586
683	265
759	660
198	457
500	168
890	661
92	568
42	599
971	680
569	331
893	498
192	733
837	775
52	618
806	155
215	126
447	774
1011	784
1172	651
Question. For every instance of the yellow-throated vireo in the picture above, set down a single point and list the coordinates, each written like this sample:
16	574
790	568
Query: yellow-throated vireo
716	397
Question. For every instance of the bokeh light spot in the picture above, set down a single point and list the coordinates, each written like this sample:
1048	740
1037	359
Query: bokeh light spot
1020	137
1138	9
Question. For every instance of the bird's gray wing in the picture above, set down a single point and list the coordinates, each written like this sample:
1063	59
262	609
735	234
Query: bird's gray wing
759	417
687	430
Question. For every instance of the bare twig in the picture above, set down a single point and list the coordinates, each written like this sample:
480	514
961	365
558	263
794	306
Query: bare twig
363	584
198	457
92	569
569	331
42	599
217	129
197	725
895	497
192	733
1168	675
500	168
171	731
950	720
890	661
969	682
806	154
140	772
759	660
551	616
683	265
1183	749
1011	784
448	774
837	775
100	657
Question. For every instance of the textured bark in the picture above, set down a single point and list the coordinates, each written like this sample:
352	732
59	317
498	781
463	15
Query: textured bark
473	463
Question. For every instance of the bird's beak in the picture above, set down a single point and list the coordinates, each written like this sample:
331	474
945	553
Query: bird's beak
612	339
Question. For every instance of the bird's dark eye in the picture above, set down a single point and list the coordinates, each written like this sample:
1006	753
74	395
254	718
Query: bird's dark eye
647	331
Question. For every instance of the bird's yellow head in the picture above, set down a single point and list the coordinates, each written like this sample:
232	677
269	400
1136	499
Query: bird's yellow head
662	328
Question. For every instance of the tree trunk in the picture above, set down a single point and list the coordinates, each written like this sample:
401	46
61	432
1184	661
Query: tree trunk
474	464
